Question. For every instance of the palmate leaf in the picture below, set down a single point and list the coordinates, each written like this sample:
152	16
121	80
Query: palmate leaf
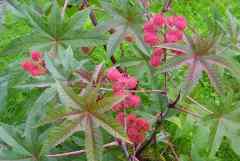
52	69
55	114
231	31
26	42
225	126
93	141
107	103
76	21
192	77
200	143
54	31
125	19
139	40
68	97
201	54
214	77
12	138
116	39
85	116
36	111
78	39
20	148
8	155
224	122
225	62
55	20
59	134
111	126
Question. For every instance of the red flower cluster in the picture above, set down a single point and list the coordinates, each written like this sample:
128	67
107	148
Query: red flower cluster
35	65
136	127
173	26
122	82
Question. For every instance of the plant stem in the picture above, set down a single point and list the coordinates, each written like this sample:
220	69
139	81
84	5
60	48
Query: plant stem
188	112
79	152
138	90
200	106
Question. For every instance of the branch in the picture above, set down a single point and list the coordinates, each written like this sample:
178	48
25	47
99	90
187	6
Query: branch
160	117
184	110
139	90
167	6
199	105
79	152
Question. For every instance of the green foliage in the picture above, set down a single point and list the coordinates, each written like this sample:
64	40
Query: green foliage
69	108
53	30
202	54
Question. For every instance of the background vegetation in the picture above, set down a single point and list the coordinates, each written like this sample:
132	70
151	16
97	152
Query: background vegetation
197	12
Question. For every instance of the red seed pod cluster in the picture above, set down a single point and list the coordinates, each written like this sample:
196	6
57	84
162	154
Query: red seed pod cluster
121	83
136	127
162	29
35	65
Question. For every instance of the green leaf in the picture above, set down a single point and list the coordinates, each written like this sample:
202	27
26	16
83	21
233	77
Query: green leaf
40	103
79	39
172	63
192	77
25	43
59	134
4	91
68	97
38	21
93	141
55	20
176	47
226	62
9	155
107	25
224	122
175	120
7	135
76	21
115	40
139	41
107	103
214	78
218	134
54	114
35	85
200	143
111	126
52	69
